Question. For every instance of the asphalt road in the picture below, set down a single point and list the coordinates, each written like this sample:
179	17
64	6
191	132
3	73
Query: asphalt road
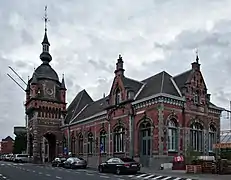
13	171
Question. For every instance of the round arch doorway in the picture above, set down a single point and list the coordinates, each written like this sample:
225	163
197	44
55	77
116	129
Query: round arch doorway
49	147
145	142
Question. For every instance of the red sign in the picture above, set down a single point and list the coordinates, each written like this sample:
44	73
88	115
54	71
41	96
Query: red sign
178	158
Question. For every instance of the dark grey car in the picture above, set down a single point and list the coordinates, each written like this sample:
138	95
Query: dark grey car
75	162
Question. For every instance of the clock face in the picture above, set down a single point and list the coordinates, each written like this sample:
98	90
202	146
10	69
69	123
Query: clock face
49	91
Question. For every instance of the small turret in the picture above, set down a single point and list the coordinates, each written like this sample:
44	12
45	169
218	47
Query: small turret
196	65
119	67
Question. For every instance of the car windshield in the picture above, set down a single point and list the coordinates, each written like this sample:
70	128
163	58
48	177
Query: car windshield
128	160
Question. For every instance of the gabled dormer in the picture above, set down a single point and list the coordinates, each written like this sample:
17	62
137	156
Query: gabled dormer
123	89
192	85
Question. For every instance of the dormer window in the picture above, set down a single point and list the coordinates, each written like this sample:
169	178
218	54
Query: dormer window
130	95
117	96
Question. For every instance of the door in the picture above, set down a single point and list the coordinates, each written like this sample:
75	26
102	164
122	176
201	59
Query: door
145	144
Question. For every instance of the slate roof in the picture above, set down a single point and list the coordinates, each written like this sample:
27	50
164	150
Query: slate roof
92	108
83	106
79	102
8	138
159	83
131	84
182	78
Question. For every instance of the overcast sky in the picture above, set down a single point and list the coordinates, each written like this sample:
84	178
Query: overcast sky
87	36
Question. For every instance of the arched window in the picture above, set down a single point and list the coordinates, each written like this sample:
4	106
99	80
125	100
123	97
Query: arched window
90	143
119	134
145	139
196	136
117	96
73	145
103	139
172	136
80	139
212	137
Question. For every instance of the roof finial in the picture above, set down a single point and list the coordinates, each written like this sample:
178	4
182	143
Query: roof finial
197	56
63	75
46	18
120	57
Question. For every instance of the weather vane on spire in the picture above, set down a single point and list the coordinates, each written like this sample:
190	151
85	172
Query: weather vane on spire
197	56
46	18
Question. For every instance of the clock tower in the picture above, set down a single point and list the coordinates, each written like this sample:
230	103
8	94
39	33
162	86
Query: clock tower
45	108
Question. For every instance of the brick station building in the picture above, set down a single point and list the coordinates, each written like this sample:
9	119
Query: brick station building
152	120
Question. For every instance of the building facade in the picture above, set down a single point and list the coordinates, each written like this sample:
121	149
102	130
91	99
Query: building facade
151	120
7	145
45	108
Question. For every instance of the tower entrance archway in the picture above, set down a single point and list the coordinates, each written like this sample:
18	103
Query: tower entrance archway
49	147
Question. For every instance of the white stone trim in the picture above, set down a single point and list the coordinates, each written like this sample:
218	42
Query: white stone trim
174	83
137	94
91	117
140	112
78	114
158	95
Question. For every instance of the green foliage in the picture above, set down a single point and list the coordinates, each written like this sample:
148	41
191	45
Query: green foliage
191	155
225	154
20	144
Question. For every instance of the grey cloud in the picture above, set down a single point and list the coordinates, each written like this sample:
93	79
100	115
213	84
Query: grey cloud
99	31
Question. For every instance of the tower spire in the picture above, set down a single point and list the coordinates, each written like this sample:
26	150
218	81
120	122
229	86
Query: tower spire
195	64
197	56
45	19
119	66
45	55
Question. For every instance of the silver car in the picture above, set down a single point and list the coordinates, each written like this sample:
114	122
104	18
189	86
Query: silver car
75	162
21	158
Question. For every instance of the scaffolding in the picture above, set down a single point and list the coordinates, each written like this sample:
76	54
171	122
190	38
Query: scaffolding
225	135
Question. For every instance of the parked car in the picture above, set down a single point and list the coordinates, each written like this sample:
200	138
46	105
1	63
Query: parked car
21	158
58	162
7	157
75	162
119	166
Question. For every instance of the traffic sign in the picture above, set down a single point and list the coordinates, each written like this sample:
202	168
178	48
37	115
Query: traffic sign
101	147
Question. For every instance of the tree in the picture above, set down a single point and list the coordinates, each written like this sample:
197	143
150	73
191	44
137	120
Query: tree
20	143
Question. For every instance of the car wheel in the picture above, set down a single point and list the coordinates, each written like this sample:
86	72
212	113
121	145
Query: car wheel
118	172
100	169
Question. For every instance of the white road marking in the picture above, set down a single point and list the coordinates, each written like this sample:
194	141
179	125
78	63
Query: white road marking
3	177
178	179
147	177
33	171
40	173
105	177
156	177
0	174
166	178
188	179
142	175
77	172
120	179
48	175
57	177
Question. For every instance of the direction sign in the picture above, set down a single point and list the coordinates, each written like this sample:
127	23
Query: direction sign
101	147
